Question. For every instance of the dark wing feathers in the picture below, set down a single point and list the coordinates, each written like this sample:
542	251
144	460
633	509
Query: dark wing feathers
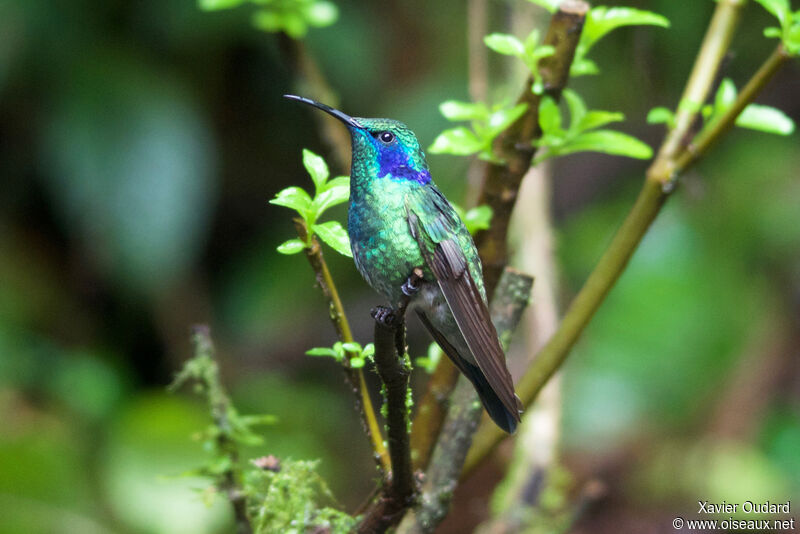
446	259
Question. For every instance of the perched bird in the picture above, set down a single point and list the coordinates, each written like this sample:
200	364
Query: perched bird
399	221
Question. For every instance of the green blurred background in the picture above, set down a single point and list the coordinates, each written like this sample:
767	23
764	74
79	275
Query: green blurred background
139	145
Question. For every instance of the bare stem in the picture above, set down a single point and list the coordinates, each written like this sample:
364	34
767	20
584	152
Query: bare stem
354	377
499	192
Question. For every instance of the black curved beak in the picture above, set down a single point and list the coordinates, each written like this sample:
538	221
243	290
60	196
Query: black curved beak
347	119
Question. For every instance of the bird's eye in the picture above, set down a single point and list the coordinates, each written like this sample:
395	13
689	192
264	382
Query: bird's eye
386	137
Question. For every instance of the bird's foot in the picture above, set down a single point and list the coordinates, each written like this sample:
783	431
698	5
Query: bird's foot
412	285
384	315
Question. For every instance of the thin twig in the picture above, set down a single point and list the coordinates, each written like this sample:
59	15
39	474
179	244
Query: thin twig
499	192
657	186
354	377
441	478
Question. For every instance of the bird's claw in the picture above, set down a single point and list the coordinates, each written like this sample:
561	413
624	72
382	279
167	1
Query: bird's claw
411	286
384	315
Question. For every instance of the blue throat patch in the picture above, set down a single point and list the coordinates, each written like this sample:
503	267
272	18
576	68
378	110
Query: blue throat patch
397	164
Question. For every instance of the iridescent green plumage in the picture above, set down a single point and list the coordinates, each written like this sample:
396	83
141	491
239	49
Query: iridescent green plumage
397	221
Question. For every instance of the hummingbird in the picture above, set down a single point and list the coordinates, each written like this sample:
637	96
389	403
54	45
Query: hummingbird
400	226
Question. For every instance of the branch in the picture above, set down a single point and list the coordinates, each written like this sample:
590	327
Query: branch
499	191
394	369
441	479
658	184
354	377
203	368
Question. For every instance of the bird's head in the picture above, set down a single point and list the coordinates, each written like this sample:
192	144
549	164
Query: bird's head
382	148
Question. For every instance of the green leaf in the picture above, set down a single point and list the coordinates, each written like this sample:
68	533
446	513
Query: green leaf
661	115
792	39
576	106
583	66
213	5
328	198
503	118
506	44
765	119
549	5
609	142
290	22
295	198
478	218
357	362
368	351
725	97
550	116
772	31
334	235
321	14
336	182
779	9
316	167
596	119
454	110
601	20
352	347
323	351
460	141
293	246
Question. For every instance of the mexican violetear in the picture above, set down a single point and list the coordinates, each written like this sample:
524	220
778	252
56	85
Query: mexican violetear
398	220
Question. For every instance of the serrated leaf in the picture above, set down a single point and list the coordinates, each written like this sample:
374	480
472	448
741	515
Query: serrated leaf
292	246
608	142
596	118
576	106
329	198
725	97
316	167
550	117
549	5
779	9
295	198
478	218
455	110
765	119
335	236
460	141
503	118
214	5
506	44
321	14
352	347
661	115
322	351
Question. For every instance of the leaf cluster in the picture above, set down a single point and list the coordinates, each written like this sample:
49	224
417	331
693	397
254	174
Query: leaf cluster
327	193
754	116
293	17
789	30
340	350
583	133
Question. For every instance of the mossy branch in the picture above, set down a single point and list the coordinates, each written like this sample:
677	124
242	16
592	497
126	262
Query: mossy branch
499	192
675	156
441	478
354	377
203	369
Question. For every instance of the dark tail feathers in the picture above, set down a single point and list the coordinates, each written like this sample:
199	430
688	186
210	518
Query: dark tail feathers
491	403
